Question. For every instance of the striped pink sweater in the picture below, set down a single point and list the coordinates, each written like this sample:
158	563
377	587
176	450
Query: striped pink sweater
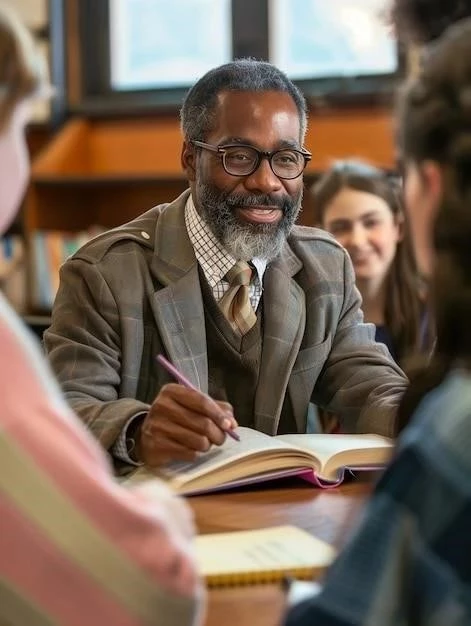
76	549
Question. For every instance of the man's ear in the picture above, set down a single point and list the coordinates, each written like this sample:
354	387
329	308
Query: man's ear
188	161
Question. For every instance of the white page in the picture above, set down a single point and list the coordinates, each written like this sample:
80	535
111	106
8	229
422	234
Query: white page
251	443
268	549
325	446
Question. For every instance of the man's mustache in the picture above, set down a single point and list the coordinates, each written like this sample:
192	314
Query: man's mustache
242	201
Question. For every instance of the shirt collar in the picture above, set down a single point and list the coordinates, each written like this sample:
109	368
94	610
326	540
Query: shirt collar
214	259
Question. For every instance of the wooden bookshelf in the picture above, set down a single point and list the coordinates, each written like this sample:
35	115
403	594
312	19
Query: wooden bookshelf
108	171
105	172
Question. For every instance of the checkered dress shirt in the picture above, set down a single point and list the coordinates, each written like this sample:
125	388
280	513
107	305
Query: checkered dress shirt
214	260
215	263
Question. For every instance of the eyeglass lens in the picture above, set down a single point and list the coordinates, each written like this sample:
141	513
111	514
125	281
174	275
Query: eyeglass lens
241	161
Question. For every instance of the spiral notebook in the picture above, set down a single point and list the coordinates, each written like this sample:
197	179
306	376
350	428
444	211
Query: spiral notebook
250	557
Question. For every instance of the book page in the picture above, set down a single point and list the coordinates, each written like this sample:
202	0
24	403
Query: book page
252	443
337	450
255	555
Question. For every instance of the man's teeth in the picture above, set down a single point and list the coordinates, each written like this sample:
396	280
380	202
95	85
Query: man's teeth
261	211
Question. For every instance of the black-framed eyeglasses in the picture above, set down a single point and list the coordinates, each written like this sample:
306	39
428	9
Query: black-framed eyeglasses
243	160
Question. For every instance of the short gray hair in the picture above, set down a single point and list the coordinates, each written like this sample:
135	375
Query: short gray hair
198	110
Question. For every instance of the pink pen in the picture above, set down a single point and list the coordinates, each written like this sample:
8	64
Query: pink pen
171	369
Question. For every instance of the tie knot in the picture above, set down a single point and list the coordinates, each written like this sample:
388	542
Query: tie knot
239	274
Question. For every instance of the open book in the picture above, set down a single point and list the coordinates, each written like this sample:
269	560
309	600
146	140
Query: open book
260	556
320	459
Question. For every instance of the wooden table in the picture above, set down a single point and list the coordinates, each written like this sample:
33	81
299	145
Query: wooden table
327	514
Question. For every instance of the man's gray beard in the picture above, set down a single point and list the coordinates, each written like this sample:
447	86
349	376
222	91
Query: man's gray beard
245	241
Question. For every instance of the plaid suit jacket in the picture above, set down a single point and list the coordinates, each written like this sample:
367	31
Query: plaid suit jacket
134	292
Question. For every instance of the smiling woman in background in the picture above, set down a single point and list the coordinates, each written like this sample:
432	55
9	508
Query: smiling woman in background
362	209
75	548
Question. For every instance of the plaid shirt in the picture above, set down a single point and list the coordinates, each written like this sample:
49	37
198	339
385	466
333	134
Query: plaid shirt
409	562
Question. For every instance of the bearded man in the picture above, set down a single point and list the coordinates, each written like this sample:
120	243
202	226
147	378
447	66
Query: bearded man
260	315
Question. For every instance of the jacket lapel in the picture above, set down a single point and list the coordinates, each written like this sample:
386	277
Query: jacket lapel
284	317
179	314
178	307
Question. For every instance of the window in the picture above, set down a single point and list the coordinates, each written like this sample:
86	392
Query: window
340	49
318	39
161	43
143	55
138	55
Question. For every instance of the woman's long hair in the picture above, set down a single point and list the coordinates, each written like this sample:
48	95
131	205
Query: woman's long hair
22	70
404	306
434	114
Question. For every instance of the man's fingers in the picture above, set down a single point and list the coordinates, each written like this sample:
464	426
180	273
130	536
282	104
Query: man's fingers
197	402
225	406
229	409
198	426
181	432
157	453
205	427
173	396
181	424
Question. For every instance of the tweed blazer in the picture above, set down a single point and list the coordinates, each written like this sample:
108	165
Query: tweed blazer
134	292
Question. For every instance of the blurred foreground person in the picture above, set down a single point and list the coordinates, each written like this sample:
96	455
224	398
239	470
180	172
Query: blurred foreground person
75	548
409	561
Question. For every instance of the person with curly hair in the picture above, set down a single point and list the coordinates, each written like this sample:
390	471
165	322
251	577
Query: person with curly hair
422	21
408	561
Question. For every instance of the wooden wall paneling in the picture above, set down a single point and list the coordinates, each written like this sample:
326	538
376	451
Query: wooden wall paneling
366	133
116	204
68	154
146	146
60	207
75	205
153	145
111	170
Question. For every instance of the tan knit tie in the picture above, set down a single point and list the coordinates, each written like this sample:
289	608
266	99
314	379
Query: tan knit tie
235	303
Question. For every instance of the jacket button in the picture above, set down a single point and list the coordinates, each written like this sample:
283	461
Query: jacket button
145	235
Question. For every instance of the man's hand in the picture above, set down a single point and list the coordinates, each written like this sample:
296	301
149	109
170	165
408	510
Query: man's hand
181	423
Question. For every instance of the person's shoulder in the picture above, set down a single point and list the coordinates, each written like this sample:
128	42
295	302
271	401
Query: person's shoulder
453	397
23	365
139	232
318	250
440	429
138	235
312	236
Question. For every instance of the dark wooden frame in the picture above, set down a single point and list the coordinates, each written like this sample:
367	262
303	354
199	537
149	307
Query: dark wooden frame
250	25
249	19
58	63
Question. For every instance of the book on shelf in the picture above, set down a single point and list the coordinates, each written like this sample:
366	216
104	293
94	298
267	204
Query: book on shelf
49	250
321	459
260	556
13	270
